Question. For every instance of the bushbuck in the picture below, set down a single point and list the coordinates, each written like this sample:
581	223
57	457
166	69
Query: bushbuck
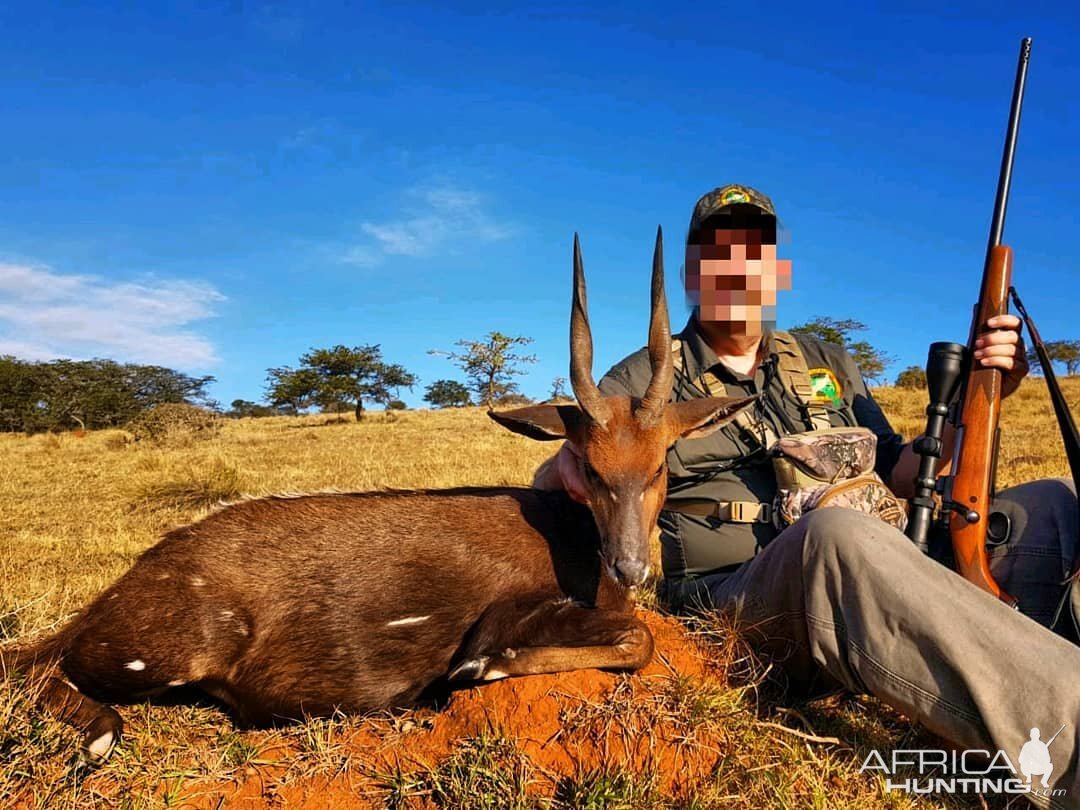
286	607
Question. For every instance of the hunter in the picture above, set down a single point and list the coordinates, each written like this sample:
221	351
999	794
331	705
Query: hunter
844	599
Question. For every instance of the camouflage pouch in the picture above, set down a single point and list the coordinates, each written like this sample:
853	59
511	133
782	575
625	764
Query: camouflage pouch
831	467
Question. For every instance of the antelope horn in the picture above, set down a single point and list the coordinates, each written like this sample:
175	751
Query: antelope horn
590	399
658	393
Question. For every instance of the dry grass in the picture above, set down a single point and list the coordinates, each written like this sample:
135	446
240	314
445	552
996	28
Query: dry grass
75	512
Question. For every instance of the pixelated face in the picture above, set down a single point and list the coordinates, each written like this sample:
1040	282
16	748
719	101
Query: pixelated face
732	276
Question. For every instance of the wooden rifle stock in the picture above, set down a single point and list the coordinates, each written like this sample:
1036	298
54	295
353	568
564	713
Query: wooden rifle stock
973	483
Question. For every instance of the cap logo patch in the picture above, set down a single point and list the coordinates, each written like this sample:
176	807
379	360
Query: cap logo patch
824	387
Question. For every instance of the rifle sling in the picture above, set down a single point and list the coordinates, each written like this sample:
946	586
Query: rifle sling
1069	435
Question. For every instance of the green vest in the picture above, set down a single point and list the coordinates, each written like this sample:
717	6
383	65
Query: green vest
806	384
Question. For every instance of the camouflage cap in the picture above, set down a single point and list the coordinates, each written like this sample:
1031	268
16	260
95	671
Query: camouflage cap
724	197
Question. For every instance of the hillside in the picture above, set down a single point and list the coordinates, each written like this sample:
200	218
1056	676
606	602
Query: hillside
698	728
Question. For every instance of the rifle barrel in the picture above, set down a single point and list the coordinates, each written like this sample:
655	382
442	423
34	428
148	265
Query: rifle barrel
1001	201
1055	735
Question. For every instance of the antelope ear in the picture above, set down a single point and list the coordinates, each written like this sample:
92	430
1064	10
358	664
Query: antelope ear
542	422
695	418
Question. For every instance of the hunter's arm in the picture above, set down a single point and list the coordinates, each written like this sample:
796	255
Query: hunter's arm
902	479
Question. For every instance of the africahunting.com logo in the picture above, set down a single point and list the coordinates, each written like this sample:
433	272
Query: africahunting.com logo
927	770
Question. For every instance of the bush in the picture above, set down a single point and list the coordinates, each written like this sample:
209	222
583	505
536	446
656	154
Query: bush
512	401
174	422
911	377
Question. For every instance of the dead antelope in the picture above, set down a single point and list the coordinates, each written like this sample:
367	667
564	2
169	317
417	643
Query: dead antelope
291	607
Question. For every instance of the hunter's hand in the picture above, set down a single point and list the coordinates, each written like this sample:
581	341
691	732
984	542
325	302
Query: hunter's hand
1004	349
569	466
563	471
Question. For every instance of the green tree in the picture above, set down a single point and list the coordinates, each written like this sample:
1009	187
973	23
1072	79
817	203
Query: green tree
22	407
337	379
242	407
293	388
490	364
871	361
157	385
1066	352
61	394
829	330
911	377
447	394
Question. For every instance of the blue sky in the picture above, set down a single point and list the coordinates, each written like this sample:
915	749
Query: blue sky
218	188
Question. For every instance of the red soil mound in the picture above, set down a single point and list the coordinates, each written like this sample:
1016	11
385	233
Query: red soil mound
568	725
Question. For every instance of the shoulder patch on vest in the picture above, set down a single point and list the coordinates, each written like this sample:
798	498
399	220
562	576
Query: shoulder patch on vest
825	387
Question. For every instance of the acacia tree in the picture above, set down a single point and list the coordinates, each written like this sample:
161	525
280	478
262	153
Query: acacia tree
1069	354
293	388
338	378
558	389
1066	352
490	364
871	361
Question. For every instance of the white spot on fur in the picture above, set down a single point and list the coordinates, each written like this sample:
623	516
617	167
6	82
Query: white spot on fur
103	644
100	748
163	576
614	497
509	653
226	615
135	666
494	675
177	683
198	582
409	620
641	497
113	595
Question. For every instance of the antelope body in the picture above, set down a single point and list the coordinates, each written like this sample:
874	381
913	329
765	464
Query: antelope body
286	607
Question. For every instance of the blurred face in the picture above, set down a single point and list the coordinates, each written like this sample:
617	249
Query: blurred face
732	277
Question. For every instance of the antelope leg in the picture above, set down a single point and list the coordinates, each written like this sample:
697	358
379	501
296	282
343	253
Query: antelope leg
551	636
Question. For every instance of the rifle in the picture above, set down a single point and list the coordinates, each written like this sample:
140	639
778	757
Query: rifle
967	493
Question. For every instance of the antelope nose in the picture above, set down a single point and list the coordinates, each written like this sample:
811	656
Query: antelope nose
631	572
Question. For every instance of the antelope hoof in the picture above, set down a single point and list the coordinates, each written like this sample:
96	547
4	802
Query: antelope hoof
97	751
471	669
99	742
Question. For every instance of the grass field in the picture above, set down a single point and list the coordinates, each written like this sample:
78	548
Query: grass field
76	511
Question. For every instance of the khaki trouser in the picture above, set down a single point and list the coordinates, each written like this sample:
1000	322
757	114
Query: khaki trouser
844	599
